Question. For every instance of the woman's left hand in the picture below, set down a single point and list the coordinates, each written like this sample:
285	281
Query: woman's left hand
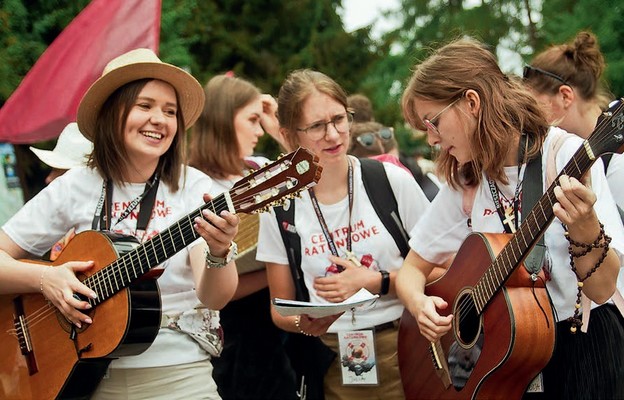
217	230
575	201
339	287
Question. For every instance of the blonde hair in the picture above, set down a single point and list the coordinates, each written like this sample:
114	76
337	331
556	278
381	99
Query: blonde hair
214	144
507	108
297	87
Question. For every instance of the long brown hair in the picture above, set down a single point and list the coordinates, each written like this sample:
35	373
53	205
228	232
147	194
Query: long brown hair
295	90
214	144
507	108
579	62
110	156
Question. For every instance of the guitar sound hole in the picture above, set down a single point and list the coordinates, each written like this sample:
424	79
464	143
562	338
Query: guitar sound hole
464	352
467	321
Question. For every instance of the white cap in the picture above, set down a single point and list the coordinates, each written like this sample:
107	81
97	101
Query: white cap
71	149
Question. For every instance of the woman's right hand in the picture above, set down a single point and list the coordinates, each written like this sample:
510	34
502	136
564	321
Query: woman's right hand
431	324
59	284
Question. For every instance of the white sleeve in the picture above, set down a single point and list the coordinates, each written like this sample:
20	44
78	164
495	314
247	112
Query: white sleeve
443	228
46	217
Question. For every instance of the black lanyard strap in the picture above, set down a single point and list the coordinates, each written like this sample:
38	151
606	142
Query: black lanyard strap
319	215
147	199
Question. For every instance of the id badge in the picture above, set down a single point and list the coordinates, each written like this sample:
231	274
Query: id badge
358	361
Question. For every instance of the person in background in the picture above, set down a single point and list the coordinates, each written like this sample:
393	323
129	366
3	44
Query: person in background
567	81
362	108
223	139
478	116
72	149
344	245
136	115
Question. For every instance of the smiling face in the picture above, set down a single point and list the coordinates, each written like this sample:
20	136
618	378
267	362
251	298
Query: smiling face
454	127
247	127
151	125
321	108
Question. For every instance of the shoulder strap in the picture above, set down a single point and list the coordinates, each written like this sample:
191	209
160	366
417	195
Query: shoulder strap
382	198
286	224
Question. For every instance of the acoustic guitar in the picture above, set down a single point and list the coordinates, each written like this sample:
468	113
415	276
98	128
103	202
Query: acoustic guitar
43	356
503	329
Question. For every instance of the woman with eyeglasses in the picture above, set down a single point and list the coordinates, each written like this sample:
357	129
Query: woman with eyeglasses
494	139
567	81
344	245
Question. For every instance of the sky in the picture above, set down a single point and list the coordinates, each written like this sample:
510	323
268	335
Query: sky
359	13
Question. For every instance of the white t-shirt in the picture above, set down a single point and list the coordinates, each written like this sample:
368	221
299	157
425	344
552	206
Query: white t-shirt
371	242
441	231
615	176
71	200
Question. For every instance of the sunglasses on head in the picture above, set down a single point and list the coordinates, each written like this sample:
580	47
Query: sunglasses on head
368	139
530	71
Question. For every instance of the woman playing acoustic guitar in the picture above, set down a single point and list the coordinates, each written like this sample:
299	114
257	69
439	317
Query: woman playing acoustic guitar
135	184
489	130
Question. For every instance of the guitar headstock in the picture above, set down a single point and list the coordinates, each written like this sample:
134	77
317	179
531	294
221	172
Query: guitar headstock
608	137
287	176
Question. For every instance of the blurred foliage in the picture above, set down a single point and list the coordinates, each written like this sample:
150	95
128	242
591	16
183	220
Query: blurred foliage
263	40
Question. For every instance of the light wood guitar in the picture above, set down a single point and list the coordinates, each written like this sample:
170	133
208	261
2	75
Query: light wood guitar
503	331
43	356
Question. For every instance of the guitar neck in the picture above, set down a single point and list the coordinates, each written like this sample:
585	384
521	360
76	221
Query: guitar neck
132	265
532	228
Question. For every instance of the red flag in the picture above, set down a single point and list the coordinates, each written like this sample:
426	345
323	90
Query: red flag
47	98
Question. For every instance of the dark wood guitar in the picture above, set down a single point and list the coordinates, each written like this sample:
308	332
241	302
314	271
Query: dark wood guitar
43	356
503	329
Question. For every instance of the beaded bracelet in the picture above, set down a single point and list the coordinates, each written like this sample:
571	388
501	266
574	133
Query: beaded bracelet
46	269
297	324
602	241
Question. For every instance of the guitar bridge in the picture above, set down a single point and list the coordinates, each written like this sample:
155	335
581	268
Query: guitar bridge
439	363
23	336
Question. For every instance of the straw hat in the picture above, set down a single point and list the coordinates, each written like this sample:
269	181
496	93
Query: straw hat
131	66
71	149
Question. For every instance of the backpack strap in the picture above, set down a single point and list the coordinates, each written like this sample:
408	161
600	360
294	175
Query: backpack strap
382	198
292	241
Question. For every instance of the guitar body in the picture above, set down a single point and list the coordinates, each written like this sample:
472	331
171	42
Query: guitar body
492	355
59	366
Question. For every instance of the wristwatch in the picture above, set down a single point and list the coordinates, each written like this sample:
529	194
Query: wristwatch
220	262
385	282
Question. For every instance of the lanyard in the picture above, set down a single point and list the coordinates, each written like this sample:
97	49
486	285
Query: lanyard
510	222
147	199
319	215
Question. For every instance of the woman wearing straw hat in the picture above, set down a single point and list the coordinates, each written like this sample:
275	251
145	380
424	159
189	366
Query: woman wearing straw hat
135	114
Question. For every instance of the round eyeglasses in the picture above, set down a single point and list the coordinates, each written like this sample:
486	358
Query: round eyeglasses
368	139
318	130
431	125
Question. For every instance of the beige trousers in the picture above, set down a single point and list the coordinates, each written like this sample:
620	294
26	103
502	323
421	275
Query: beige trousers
184	382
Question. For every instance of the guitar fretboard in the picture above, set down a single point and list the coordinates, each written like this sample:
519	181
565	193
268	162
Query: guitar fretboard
135	263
